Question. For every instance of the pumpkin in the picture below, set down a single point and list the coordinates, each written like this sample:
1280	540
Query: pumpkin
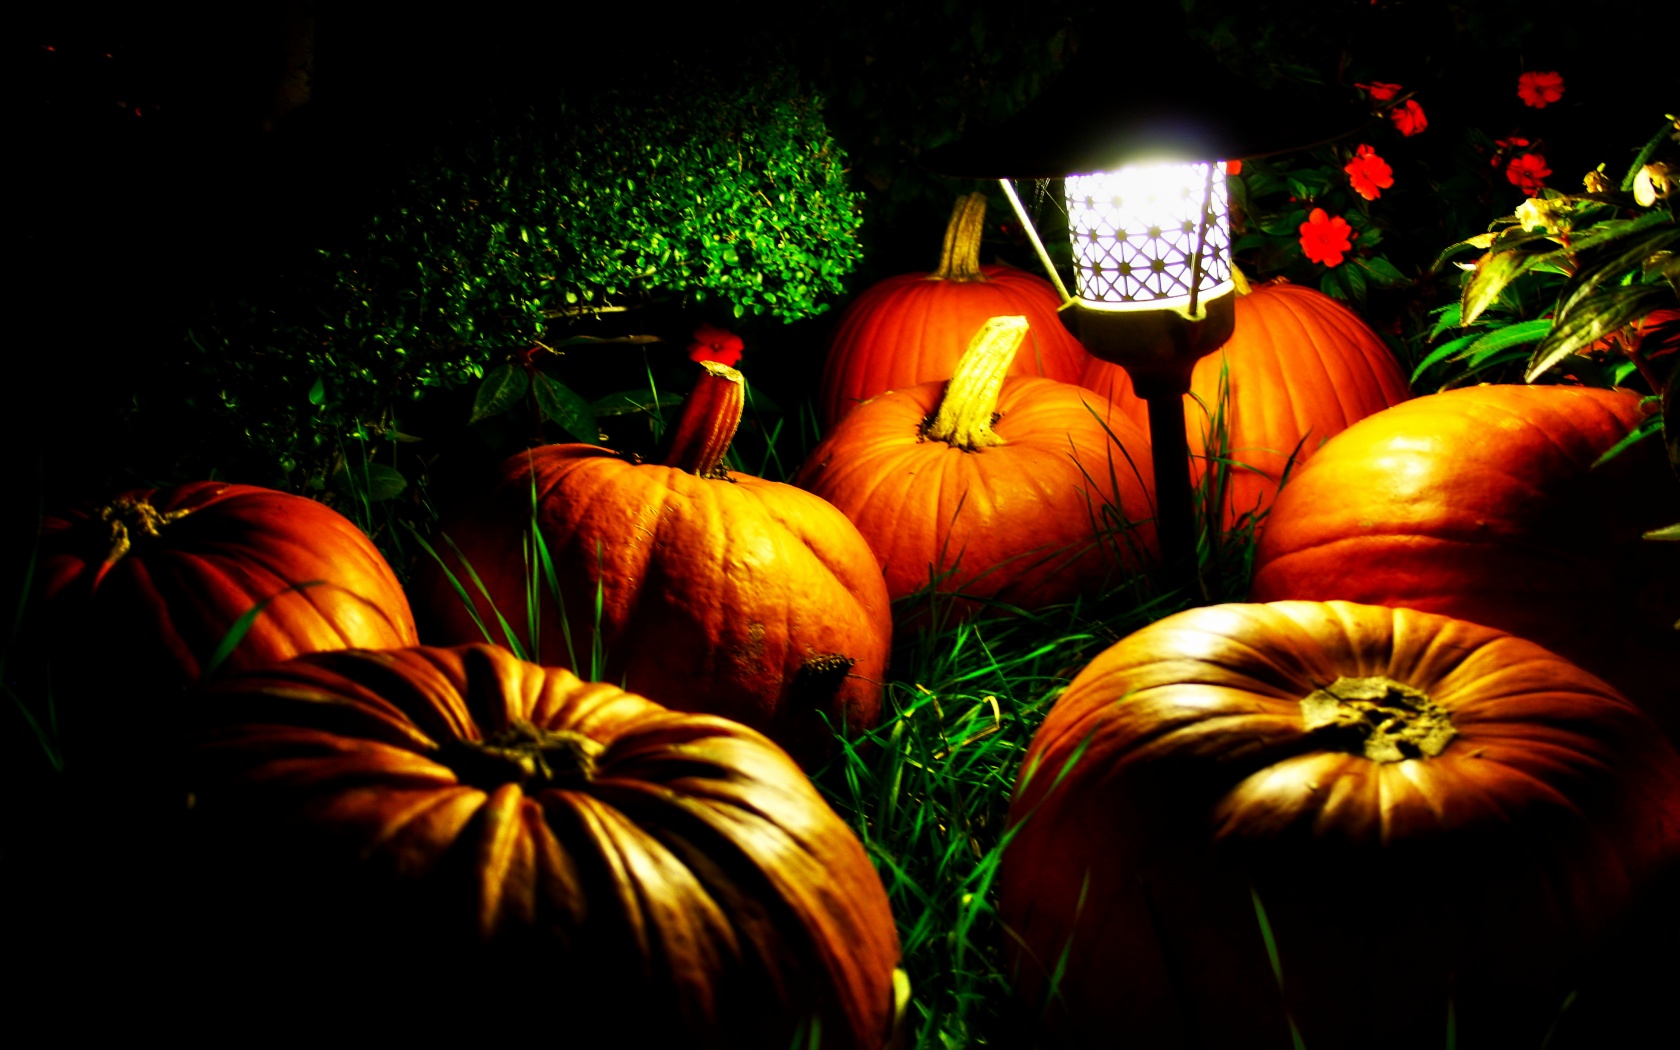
1301	367
142	592
717	591
994	487
1483	503
911	328
1386	813
503	845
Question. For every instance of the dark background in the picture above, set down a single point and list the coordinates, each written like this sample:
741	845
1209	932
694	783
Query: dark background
158	173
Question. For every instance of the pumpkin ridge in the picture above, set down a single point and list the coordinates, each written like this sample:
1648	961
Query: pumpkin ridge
796	528
414	829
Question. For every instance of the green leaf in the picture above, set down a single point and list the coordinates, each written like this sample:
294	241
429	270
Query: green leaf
1615	229
1510	335
1449	350
1670	533
626	402
1446	317
318	392
1491	278
501	390
1592	319
1644	156
241	627
373	482
561	404
1647	427
1383	272
1628	259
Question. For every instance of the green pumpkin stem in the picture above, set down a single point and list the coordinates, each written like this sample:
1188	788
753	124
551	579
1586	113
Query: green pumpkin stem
969	407
960	261
709	419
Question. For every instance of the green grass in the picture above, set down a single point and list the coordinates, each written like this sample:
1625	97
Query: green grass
927	790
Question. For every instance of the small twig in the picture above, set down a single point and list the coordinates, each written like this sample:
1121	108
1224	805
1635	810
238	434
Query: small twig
580	311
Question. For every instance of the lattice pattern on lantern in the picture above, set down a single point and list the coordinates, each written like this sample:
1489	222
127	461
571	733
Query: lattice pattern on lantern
1135	231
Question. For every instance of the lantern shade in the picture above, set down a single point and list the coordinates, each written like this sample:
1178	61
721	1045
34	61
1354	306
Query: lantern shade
1160	104
1137	233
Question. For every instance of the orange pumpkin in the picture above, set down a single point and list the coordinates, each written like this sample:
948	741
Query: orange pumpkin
1483	503
912	328
1301	368
143	591
993	487
1433	816
718	591
466	840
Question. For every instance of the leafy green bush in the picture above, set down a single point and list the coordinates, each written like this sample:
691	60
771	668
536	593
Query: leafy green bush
521	222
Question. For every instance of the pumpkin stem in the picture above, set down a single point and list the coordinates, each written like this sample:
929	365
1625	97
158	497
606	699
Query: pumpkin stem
968	409
1240	279
709	418
960	260
522	754
128	516
1377	717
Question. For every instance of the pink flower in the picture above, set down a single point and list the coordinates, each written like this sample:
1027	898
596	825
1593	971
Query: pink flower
715	344
1409	118
1526	172
1540	89
1368	173
1379	91
1324	240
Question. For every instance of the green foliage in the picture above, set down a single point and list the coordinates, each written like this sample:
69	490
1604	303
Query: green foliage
522	221
1562	286
1272	199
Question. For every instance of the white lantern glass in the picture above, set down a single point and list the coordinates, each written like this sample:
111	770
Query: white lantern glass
1136	233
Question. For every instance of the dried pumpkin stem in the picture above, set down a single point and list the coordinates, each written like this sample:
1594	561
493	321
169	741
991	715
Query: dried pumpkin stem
129	517
960	261
966	412
523	754
1384	720
709	419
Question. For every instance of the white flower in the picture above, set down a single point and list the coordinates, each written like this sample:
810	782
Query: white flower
1653	182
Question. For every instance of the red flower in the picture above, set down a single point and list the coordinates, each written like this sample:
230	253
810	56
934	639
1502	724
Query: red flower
1324	239
1368	173
715	344
1409	118
1503	146
1526	172
1540	89
1379	91
1233	167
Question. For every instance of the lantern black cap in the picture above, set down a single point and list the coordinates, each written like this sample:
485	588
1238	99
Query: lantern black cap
1114	104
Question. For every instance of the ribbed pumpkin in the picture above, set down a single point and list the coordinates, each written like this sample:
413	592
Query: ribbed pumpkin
719	592
1483	503
912	328
142	591
455	841
995	487
1411	817
1301	368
